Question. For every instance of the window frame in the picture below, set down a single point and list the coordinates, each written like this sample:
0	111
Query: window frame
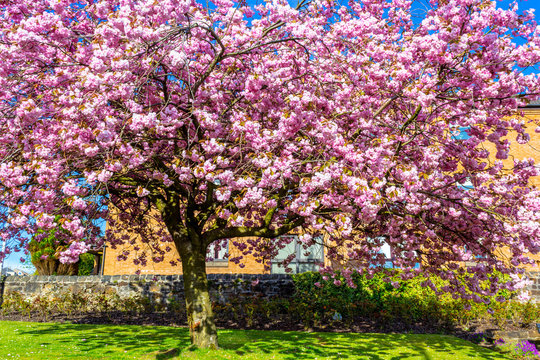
218	262
299	258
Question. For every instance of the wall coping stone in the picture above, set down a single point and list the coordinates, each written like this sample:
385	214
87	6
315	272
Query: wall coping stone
25	278
134	278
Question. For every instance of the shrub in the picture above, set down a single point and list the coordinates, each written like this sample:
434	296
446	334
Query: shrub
71	303
409	302
86	264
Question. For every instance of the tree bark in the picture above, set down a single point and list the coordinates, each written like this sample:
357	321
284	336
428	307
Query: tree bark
55	267
192	250
202	328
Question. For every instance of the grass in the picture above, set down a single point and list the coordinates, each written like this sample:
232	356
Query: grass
25	340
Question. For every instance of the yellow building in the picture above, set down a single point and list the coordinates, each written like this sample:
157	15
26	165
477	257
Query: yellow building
220	264
254	265
531	116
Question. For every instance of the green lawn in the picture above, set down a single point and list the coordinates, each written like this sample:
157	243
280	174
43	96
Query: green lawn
23	340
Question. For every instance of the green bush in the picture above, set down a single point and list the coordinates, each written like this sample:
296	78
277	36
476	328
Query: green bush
74	303
86	264
410	302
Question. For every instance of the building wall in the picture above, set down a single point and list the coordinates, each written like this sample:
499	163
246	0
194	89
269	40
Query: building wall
112	266
520	152
252	265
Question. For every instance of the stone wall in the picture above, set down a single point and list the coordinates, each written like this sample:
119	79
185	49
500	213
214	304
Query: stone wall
158	288
163	288
534	287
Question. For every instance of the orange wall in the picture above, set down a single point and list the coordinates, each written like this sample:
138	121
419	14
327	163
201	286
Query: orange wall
114	267
523	151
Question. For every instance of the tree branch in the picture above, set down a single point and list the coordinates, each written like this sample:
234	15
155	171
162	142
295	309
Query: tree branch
243	231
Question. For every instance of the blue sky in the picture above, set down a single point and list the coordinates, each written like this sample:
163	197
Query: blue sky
13	260
530	4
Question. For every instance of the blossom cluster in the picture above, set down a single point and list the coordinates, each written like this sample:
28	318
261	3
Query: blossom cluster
71	255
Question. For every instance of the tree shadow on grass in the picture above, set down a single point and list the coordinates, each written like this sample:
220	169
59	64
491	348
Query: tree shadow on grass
299	345
109	340
162	343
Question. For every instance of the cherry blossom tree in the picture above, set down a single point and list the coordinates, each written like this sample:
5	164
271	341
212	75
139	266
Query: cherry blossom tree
228	121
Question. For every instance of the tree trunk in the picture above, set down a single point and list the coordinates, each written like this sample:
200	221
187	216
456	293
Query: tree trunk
55	267
192	250
202	328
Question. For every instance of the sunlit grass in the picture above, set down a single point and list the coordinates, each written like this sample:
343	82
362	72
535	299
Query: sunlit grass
23	340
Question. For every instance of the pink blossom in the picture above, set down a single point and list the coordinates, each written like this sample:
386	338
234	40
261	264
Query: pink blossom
45	221
71	255
104	176
141	192
78	203
91	151
523	296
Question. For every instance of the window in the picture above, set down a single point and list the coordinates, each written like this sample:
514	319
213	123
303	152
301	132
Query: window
218	253
387	252
305	259
390	254
466	185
